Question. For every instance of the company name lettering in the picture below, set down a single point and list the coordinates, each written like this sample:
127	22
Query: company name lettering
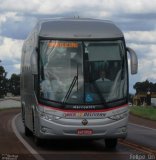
84	107
86	114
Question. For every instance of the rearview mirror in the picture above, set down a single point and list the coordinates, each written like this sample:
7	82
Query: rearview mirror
134	60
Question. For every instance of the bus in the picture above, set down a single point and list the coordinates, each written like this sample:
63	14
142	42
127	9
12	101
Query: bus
74	80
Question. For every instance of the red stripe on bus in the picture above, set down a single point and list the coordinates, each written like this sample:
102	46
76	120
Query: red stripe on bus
100	110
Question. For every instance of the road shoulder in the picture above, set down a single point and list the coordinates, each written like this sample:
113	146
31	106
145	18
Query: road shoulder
141	121
9	143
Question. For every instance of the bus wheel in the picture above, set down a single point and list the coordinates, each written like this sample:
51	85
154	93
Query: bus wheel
23	115
37	140
27	131
111	143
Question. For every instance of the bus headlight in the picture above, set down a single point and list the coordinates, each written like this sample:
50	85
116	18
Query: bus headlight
119	116
46	116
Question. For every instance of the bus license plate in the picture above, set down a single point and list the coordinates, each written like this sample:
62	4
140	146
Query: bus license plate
84	132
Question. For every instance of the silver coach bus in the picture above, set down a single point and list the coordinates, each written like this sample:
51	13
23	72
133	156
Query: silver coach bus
74	80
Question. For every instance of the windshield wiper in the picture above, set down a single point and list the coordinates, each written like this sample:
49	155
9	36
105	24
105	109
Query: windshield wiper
75	79
70	88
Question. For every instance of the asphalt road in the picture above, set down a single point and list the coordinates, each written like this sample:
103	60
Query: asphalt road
88	150
75	149
10	145
142	135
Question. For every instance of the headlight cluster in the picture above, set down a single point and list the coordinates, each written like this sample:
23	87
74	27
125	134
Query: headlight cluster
119	116
46	116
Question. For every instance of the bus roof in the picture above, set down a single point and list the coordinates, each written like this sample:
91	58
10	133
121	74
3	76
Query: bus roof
78	28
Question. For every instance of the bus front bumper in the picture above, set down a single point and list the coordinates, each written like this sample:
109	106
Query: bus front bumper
69	128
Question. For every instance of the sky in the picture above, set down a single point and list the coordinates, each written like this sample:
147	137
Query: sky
136	18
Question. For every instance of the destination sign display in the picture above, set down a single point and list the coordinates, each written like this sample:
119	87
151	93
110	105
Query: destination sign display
63	44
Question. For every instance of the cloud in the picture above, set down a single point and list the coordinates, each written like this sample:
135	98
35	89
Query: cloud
10	48
146	60
17	66
136	19
16	26
59	6
10	54
147	69
145	37
18	19
4	16
135	23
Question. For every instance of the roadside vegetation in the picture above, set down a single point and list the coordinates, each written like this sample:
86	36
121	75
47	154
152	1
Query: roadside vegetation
9	85
147	112
5	109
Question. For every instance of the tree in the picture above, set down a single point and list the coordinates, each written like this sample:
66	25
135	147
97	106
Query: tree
145	87
3	82
142	86
15	84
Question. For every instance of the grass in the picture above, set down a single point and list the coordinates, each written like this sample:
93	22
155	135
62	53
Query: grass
147	112
3	109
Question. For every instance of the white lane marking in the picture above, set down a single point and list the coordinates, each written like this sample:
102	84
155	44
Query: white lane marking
29	148
137	125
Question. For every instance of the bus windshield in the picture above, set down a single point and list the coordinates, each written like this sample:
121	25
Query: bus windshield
82	72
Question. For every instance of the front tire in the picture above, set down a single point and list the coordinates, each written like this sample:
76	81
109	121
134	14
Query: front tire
111	143
37	140
27	131
23	114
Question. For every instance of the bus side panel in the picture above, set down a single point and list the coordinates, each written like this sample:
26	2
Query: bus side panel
27	86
